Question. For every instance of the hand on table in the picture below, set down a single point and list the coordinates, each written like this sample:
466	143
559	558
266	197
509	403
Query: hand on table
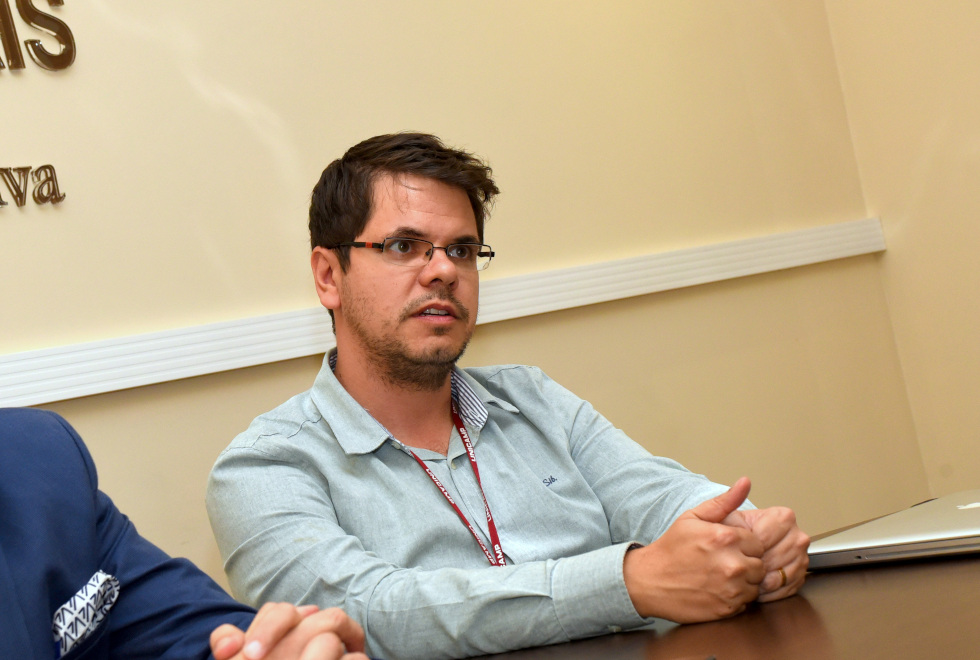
700	569
785	558
281	631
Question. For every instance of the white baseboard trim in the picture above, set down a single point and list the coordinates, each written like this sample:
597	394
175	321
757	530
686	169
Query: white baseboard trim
67	372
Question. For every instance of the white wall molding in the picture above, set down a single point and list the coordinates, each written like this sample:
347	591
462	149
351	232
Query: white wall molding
66	372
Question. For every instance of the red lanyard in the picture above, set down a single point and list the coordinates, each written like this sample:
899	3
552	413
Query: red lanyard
497	557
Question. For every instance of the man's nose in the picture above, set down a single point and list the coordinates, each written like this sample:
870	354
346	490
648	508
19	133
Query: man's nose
439	267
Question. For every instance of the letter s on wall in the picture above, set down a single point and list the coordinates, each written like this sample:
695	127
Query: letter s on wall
55	27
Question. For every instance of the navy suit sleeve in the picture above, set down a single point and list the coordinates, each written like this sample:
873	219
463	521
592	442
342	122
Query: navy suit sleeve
166	608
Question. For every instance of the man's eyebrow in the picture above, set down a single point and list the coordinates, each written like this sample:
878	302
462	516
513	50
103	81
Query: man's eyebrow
406	232
411	232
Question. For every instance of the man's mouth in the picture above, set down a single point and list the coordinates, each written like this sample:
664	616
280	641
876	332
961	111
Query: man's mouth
429	311
436	306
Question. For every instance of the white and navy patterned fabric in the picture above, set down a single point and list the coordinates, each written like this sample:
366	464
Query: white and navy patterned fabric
81	615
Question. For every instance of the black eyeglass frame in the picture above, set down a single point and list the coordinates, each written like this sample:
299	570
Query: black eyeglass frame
487	253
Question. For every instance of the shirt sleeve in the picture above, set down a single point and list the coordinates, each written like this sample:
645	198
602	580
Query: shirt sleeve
276	527
641	494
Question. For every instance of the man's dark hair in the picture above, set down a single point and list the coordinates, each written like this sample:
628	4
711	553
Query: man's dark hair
342	199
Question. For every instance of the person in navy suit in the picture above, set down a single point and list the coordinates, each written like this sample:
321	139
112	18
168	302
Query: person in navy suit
78	581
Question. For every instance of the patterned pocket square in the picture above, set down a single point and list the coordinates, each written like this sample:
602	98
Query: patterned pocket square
81	615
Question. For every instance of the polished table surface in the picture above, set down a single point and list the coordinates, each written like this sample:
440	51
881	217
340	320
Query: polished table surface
909	610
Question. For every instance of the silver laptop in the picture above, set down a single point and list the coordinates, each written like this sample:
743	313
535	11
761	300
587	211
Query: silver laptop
944	526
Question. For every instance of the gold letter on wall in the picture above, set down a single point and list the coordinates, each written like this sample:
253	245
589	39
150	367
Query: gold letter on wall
53	26
46	185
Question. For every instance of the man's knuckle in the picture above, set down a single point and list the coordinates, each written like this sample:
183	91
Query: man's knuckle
725	536
785	515
729	606
330	642
730	570
335	616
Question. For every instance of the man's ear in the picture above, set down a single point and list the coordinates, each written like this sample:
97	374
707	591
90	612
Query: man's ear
326	276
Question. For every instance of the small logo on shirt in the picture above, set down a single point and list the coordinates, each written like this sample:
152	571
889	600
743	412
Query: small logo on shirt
549	481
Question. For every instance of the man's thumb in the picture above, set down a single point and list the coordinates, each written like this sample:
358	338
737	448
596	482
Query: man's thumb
717	509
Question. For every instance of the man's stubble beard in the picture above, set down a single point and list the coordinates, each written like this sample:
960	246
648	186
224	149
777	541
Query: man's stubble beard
392	358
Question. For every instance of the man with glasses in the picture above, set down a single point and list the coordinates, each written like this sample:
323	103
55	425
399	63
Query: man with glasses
454	512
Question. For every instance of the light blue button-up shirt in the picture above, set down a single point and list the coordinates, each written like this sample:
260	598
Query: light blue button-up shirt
316	503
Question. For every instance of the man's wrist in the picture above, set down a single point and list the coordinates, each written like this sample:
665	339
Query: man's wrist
590	594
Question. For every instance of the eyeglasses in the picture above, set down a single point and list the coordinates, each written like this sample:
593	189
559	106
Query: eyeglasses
415	252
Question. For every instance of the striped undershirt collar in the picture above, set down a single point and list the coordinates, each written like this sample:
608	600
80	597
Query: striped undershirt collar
469	405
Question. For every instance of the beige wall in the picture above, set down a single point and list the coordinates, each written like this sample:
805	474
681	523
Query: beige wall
639	128
188	135
909	71
789	378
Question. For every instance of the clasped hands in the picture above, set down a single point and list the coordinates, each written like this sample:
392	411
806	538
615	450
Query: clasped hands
715	560
281	631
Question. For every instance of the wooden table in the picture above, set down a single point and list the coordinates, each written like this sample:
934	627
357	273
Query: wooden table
899	611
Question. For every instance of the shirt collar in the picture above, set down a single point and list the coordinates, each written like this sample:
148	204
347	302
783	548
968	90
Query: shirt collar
358	432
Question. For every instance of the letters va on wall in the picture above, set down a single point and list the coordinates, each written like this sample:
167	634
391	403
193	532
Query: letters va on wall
41	180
